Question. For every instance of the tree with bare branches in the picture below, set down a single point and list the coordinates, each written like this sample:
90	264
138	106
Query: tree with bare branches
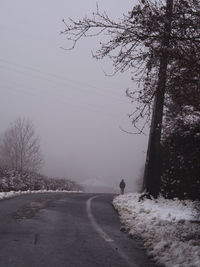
20	147
152	40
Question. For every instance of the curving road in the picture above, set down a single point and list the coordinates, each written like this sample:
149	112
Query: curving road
65	230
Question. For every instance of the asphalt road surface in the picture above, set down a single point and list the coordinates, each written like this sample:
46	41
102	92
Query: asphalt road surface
65	230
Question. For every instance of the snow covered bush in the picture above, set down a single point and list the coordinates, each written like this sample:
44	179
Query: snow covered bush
181	155
12	180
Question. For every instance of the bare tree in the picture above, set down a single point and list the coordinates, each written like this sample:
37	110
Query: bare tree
152	40
20	147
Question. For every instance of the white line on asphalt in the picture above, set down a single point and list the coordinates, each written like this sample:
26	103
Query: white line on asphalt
105	236
94	223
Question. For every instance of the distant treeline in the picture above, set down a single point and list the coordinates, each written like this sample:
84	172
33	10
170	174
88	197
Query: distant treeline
13	180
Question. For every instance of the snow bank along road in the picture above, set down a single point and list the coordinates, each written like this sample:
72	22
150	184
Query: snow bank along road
169	227
65	230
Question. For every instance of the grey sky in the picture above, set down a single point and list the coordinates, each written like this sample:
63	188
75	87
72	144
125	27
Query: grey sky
75	108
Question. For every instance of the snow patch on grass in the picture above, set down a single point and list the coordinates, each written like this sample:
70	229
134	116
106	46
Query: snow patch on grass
170	229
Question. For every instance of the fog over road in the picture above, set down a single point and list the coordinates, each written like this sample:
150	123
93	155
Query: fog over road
65	230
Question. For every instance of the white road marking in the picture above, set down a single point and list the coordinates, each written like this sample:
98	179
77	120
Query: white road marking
105	236
94	223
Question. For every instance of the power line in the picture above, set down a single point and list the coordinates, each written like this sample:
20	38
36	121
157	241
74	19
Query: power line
55	93
88	107
60	78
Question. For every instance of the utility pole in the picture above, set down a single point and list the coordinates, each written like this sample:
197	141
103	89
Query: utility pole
152	173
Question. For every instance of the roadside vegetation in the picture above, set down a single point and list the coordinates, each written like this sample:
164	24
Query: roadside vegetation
13	180
21	159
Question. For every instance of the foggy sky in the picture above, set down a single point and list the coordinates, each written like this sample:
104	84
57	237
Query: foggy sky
75	108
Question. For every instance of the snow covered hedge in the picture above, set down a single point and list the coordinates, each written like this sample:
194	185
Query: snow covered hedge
11	194
170	229
181	156
11	180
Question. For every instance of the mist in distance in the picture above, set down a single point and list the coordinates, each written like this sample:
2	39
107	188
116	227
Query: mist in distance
76	109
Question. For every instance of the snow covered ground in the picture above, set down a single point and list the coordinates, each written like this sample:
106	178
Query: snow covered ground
4	195
170	229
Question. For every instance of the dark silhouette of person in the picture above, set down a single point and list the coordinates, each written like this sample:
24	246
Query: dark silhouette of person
122	185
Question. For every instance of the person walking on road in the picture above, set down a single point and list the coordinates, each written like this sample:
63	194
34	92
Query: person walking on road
122	185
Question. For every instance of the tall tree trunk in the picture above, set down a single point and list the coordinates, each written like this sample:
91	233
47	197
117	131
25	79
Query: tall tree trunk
152	174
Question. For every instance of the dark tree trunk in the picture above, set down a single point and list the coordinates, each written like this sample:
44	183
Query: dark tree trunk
152	174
